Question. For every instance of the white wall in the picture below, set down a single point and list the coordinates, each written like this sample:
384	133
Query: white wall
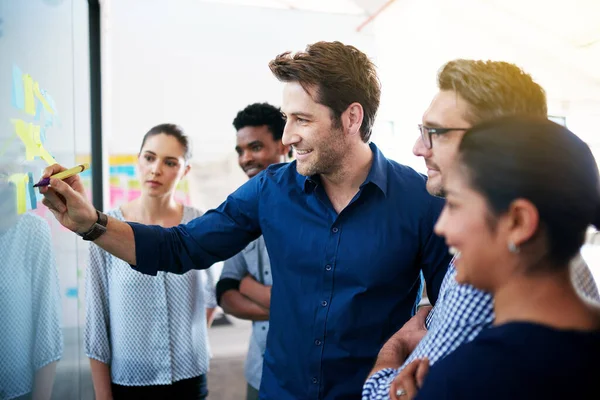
414	38
197	64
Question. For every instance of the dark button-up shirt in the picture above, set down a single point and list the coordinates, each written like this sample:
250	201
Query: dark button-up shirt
342	283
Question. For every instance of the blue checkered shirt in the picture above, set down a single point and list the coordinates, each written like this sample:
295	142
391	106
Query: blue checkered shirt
460	314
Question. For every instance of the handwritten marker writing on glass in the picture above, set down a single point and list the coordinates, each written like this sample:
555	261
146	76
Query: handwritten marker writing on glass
63	175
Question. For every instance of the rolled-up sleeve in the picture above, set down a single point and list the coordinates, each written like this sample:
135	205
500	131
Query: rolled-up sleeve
215	236
233	271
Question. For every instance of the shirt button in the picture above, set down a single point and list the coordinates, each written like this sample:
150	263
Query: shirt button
328	267
317	342
324	303
266	272
315	380
335	230
264	328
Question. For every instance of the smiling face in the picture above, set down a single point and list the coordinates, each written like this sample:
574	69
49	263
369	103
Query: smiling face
319	146
257	149
161	165
447	110
478	238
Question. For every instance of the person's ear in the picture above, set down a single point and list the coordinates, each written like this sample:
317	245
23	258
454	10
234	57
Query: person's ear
522	221
352	119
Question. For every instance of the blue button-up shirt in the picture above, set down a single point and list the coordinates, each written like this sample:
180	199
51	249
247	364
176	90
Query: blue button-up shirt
342	283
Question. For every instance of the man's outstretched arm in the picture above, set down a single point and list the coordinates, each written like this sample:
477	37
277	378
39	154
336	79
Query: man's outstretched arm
215	236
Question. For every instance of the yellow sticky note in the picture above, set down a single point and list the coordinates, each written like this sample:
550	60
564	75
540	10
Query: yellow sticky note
30	136
20	181
133	184
37	139
29	95
114	181
122	159
22	129
41	98
183	186
83	159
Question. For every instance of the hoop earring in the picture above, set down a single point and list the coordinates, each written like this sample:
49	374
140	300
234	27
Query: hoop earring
513	248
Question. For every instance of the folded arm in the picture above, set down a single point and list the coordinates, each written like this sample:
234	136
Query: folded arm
236	304
256	291
230	296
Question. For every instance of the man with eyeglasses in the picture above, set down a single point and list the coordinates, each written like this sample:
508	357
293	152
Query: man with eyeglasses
470	92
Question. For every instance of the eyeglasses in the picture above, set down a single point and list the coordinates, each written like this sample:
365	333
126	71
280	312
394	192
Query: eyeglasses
426	133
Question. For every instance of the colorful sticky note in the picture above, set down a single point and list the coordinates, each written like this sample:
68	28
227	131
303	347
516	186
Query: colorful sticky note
20	180
17	93
50	101
133	194
183	186
30	136
134	184
39	109
29	95
114	181
38	94
31	191
50	117
43	135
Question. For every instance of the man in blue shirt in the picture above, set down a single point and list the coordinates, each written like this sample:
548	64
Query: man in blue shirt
348	231
244	289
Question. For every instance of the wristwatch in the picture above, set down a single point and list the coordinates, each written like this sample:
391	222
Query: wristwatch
97	229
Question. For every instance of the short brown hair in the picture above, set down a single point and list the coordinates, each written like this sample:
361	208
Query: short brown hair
342	75
493	89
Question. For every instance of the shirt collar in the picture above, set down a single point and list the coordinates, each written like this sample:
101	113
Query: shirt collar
378	174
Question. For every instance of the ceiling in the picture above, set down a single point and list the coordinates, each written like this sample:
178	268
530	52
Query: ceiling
350	7
574	22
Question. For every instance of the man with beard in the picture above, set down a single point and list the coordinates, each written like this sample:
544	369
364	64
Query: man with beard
348	231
